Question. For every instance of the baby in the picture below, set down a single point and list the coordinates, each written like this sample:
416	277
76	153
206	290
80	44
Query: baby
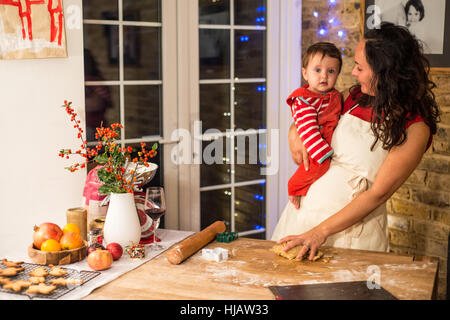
316	108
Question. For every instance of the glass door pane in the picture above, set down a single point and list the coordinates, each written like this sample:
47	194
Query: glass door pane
142	10
214	12
214	54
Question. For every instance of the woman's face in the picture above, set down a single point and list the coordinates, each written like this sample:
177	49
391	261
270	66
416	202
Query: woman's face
362	70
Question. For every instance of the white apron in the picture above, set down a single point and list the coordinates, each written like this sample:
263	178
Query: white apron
352	171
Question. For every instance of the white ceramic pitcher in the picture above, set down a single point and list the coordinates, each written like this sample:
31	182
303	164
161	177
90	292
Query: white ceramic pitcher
122	224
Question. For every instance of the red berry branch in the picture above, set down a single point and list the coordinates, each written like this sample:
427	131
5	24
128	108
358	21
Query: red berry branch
113	159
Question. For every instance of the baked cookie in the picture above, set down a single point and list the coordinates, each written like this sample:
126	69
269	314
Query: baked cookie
10	272
17	286
292	253
64	282
11	264
39	272
36	280
57	271
40	288
4	280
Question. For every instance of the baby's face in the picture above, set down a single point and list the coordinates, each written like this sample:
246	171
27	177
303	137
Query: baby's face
321	73
413	15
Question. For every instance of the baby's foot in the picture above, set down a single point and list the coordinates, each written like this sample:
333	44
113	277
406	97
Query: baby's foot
295	200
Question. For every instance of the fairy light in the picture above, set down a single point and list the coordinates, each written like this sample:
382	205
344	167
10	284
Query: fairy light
323	31
326	25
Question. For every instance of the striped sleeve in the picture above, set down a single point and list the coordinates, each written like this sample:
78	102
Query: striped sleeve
305	117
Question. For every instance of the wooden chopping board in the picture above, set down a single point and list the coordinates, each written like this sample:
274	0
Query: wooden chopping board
252	268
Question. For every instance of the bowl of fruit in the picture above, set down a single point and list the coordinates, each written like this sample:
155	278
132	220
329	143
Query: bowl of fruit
53	245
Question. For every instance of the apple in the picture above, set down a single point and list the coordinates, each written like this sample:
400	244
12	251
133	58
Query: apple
115	249
71	240
44	232
94	247
100	259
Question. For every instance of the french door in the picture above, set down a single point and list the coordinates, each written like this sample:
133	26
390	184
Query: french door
210	69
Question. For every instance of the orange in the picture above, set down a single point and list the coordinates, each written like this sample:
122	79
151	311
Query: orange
50	245
71	240
71	227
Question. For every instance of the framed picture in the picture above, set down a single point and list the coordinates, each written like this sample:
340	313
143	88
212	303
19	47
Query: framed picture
428	20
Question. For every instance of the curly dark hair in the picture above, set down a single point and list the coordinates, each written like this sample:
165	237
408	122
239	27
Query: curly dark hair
403	89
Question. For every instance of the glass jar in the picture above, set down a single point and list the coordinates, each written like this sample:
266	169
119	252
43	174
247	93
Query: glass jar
95	236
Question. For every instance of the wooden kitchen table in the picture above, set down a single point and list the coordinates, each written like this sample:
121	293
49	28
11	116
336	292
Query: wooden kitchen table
251	268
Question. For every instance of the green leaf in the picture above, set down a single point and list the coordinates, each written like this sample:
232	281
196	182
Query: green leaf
105	190
106	177
155	146
101	158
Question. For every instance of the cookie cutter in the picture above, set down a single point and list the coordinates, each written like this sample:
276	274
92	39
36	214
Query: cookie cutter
216	254
226	237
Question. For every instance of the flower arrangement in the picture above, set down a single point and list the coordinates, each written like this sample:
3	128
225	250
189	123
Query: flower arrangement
115	172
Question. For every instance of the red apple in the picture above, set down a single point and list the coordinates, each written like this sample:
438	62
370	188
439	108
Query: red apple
115	249
94	247
44	232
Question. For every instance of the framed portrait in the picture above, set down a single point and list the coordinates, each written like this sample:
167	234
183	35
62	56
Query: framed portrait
428	20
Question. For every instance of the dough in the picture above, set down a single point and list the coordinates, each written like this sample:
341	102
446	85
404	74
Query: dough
292	253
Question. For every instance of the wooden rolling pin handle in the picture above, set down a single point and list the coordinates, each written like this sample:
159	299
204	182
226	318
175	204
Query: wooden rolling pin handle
192	244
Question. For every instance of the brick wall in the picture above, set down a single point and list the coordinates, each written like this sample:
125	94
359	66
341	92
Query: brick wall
419	212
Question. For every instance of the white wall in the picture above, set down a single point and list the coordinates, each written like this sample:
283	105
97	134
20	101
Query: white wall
34	186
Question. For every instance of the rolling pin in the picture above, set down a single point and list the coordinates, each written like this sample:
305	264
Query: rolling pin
195	242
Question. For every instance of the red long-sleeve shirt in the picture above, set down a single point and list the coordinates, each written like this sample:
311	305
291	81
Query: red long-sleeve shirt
305	111
316	115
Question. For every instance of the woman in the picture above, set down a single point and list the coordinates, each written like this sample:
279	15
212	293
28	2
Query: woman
385	127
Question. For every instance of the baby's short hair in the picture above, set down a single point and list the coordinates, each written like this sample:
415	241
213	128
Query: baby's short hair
323	48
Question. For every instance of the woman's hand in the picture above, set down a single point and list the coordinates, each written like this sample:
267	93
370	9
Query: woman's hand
298	151
312	239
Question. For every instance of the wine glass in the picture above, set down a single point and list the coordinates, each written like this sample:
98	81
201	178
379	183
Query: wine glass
155	207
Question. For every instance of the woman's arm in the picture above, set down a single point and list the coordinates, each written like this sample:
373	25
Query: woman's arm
396	168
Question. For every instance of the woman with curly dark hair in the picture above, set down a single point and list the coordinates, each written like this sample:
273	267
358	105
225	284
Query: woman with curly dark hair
386	126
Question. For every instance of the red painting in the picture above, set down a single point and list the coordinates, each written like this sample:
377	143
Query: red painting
37	24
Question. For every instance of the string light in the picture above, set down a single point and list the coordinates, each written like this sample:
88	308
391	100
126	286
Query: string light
322	31
332	22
